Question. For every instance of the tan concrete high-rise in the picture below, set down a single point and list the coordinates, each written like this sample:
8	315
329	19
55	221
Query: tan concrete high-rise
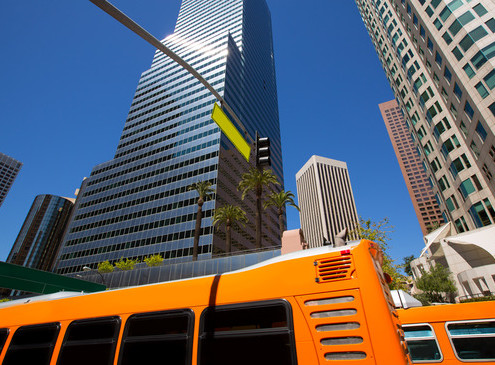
439	57
326	201
414	173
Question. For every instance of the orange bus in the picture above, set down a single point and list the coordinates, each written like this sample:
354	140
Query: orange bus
317	306
450	334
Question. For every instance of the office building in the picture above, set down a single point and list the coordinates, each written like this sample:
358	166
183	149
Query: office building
39	239
439	59
9	168
138	203
414	173
325	199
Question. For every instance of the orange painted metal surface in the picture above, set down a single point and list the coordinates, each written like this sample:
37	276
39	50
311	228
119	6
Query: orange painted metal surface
362	328
436	316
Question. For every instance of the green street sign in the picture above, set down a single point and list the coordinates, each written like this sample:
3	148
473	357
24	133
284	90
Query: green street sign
229	129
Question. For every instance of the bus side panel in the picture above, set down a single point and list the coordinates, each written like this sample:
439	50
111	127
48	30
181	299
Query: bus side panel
338	326
305	348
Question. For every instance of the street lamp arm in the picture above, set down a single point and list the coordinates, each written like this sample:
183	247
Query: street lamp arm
143	33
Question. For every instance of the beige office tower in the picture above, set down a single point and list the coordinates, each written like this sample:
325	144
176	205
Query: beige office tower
414	172
326	201
439	58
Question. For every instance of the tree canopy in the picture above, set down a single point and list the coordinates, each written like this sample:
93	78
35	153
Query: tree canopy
437	285
379	232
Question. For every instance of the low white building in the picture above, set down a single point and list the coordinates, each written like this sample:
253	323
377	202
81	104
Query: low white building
469	256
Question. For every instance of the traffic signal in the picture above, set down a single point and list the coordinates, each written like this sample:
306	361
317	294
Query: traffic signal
263	151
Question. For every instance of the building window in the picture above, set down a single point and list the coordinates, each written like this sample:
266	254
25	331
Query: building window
480	9
438	59
445	13
457	91
469	110
447	74
430	45
422	32
466	18
481	131
479	215
491	24
490	79
469	70
457	53
467	188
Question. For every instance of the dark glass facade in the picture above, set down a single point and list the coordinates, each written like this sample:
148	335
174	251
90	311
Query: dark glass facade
138	203
39	239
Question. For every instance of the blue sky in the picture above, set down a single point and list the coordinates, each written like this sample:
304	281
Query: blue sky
69	71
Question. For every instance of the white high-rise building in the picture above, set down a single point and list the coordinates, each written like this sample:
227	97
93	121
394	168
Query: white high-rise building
439	58
325	198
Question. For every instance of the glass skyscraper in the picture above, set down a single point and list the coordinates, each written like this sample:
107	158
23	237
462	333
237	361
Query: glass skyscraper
439	57
138	203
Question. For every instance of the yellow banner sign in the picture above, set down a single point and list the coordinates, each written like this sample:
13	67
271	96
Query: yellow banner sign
229	129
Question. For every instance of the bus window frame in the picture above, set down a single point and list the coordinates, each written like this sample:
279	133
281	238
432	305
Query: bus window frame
246	305
56	325
118	321
404	326
464	336
2	345
190	330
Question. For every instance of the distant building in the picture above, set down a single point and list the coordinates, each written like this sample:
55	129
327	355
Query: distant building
38	241
470	257
325	198
413	170
293	240
9	168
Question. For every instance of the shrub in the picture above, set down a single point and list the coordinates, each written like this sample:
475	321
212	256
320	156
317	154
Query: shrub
478	299
153	260
127	264
104	267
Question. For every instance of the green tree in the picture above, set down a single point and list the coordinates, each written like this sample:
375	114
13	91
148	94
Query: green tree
432	227
153	260
104	267
127	264
279	200
437	284
229	215
407	264
256	180
204	190
379	232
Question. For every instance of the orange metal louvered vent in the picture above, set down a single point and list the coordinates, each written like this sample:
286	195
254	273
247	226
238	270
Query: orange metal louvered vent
334	268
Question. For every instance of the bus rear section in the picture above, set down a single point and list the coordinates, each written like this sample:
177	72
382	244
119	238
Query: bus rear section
451	334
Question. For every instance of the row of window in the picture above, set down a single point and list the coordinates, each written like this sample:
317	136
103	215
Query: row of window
471	341
122	194
258	333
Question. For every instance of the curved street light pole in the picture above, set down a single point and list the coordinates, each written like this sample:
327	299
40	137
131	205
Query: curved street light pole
140	31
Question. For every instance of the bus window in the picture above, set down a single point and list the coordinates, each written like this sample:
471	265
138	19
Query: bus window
148	336
32	345
473	340
255	333
422	344
4	333
90	341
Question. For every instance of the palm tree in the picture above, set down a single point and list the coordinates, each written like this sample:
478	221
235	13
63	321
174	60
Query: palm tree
229	215
278	200
256	180
204	190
